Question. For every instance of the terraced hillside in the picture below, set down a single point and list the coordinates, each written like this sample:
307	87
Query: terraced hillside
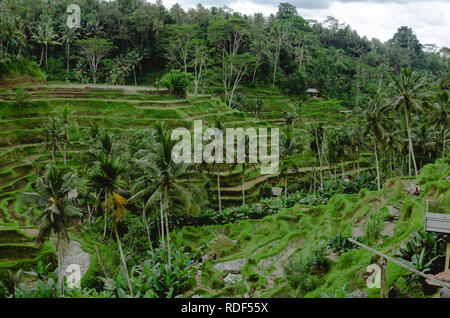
248	258
123	110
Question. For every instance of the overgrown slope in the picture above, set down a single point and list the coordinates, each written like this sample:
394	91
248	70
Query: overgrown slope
258	250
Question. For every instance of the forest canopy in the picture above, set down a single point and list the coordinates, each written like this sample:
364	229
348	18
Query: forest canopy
143	40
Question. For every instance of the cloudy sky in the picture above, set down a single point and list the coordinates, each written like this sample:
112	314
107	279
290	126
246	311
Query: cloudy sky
372	18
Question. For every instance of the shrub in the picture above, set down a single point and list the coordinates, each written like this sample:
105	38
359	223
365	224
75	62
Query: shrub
22	97
176	82
339	243
302	272
265	192
373	226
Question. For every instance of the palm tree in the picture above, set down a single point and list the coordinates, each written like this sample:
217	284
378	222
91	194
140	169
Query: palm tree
134	58
173	184
393	142
446	77
69	35
106	180
409	93
143	189
55	195
289	145
316	133
64	117
441	115
373	121
219	125
356	142
45	35
425	138
54	134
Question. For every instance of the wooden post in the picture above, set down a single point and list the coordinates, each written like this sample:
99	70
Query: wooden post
383	277
447	257
401	264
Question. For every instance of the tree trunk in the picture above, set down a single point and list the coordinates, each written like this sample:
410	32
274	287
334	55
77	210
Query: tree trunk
104	226
162	220
134	74
60	269
42	57
218	190
46	56
97	250
144	217
376	160
65	154
320	161
243	181
68	58
443	142
410	141
53	154
275	64
168	239
122	257
285	185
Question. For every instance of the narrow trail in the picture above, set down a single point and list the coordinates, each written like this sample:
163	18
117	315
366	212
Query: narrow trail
279	269
74	254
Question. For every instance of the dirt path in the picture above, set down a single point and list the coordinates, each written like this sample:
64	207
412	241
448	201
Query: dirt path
279	269
74	254
127	88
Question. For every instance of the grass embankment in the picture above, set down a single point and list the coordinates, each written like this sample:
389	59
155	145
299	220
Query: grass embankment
19	71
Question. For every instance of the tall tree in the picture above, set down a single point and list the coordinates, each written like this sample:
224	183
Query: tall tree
94	50
106	179
45	35
409	93
373	122
55	195
441	115
69	35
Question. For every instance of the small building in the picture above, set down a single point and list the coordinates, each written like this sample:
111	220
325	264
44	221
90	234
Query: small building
313	92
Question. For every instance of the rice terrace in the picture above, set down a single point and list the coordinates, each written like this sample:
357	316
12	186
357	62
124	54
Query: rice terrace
95	97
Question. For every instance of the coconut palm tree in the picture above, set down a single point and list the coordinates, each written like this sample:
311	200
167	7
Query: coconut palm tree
425	141
167	184
65	118
105	180
409	93
54	136
393	141
356	142
55	195
440	116
373	121
45	35
134	58
316	133
443	84
289	145
69	35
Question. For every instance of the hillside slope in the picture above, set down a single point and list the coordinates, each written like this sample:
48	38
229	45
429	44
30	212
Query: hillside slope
257	251
19	72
